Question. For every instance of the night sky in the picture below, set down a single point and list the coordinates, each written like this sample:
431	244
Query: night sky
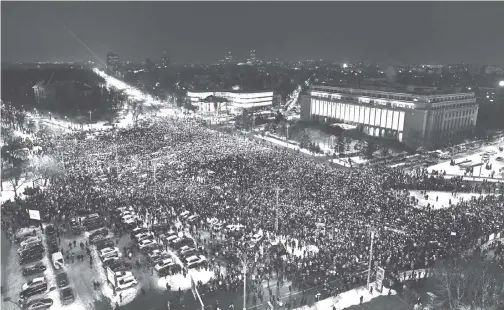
418	32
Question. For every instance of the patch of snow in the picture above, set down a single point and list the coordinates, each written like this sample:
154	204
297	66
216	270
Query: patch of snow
443	198
184	283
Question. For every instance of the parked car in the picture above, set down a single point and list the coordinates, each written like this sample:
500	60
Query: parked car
34	269
31	247
105	243
30	240
120	265
30	258
67	296
106	251
164	263
110	261
137	231
122	274
23	233
100	232
195	261
126	282
146	243
33	287
39	304
62	280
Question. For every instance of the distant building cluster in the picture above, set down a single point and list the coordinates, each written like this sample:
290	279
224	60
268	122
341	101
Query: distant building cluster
415	116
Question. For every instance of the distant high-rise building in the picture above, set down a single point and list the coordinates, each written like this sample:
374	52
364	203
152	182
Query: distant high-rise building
252	57
112	61
165	60
229	58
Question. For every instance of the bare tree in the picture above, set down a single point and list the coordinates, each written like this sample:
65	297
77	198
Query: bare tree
46	167
468	284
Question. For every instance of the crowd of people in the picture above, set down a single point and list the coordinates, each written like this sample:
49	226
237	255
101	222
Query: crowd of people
179	164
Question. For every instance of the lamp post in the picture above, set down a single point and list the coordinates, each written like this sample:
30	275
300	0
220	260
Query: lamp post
90	120
373	231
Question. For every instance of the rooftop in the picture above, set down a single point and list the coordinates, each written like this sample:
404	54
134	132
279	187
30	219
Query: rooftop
398	88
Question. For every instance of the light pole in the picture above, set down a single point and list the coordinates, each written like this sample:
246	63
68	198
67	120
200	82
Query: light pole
287	132
370	256
276	210
90	120
245	283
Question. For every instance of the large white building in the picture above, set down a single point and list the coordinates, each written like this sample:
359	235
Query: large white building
233	101
416	116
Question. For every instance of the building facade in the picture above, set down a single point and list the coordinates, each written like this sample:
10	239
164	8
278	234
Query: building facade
414	116
112	61
236	101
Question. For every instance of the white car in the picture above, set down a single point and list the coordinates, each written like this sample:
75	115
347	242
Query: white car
106	251
30	240
194	261
143	236
33	282
146	243
172	238
126	282
164	263
114	256
185	249
123	274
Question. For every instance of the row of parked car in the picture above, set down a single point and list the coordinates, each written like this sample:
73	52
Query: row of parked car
31	249
110	255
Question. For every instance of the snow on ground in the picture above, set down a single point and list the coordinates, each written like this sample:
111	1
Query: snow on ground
289	145
476	158
443	198
8	189
127	295
184	283
296	251
347	299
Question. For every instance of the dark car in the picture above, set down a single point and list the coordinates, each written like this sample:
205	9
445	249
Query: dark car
75	227
67	296
184	241
39	304
50	230
30	258
62	280
105	243
93	224
138	230
35	269
121	266
110	262
33	290
100	232
38	248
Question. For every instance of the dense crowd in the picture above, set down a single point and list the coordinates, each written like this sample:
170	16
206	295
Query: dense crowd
176	165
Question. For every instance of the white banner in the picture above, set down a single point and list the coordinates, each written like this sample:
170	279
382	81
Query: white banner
34	214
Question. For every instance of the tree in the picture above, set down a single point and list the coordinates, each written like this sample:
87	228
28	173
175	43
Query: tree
468	283
304	139
370	147
46	167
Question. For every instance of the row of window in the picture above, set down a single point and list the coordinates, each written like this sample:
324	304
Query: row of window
459	113
456	123
397	96
386	118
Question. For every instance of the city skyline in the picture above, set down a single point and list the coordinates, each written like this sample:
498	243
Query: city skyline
409	32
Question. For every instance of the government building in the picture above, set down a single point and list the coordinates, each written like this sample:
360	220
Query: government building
415	116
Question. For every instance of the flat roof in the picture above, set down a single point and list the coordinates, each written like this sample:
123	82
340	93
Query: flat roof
397	88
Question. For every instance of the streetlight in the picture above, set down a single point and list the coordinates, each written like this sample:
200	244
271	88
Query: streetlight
373	231
90	120
501	83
